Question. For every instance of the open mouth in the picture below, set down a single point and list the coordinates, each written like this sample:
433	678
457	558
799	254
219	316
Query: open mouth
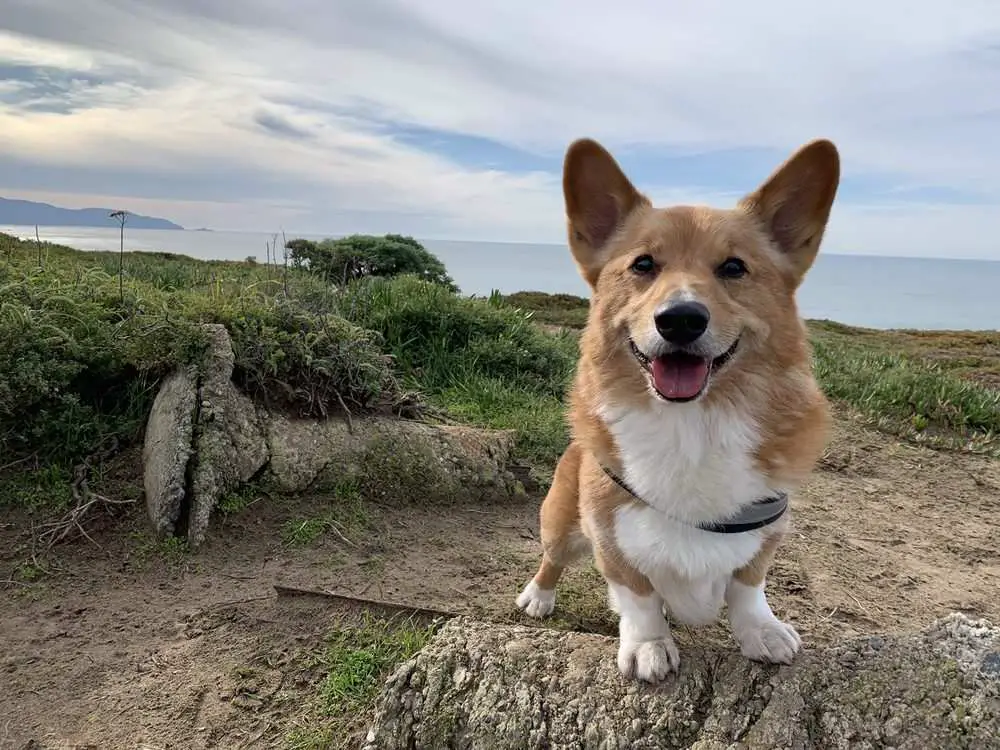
681	376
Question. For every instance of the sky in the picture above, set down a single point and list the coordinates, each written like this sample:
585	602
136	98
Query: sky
447	119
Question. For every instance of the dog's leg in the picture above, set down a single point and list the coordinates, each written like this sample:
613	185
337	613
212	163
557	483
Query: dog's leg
563	541
646	649
761	635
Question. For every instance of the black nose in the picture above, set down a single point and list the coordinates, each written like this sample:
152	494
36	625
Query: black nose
682	323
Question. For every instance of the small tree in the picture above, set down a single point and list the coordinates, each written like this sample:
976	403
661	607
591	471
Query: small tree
121	217
360	255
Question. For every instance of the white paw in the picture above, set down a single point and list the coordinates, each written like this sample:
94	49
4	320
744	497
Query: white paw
649	661
770	640
536	601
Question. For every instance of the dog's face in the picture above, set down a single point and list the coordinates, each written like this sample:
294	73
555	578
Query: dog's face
691	292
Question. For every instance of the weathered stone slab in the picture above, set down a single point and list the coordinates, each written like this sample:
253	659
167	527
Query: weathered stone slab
168	447
481	686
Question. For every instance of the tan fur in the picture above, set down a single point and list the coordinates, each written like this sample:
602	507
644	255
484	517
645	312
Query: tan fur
776	230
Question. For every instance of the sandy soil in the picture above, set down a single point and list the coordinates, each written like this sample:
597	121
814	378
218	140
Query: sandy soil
126	647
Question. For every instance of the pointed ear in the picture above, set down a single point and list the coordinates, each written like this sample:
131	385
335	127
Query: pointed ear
794	203
599	197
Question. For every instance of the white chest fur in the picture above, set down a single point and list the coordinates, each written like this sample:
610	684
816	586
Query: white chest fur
689	464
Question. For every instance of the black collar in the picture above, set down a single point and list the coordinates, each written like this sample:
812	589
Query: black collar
758	514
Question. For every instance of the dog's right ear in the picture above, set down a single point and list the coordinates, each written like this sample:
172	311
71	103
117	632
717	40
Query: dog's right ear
599	197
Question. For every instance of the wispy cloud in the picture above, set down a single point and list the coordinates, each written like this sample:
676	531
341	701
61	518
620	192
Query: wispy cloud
447	120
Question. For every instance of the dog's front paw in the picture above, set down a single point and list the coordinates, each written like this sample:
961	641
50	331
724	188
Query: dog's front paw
769	640
649	661
536	601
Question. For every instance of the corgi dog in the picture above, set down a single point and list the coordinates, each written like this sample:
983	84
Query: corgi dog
694	412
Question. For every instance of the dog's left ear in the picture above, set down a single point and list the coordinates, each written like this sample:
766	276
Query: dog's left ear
794	202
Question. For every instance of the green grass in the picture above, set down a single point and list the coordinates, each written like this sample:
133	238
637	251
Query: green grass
911	391
84	357
481	360
563	310
354	662
344	515
941	388
41	488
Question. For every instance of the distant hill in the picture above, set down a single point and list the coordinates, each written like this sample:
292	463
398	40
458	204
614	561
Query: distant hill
29	213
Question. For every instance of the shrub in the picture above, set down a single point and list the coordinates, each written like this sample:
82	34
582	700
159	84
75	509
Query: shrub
350	258
441	339
80	363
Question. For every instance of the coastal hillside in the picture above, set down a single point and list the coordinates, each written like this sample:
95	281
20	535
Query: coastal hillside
280	628
15	212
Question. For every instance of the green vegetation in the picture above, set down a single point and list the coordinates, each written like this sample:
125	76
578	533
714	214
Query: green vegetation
82	360
937	387
354	662
358	256
563	310
910	390
85	357
344	515
479	359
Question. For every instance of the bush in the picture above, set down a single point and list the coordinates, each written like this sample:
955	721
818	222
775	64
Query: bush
481	360
82	363
441	339
358	256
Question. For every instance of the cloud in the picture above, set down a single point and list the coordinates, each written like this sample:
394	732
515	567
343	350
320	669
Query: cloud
443	120
281	126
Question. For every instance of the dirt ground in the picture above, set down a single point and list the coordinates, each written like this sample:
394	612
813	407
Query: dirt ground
129	646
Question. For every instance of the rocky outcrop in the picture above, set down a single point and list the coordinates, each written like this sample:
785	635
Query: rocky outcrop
205	438
479	686
229	446
168	447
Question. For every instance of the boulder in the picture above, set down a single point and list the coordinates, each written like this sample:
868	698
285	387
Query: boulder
167	449
205	438
229	446
390	457
481	686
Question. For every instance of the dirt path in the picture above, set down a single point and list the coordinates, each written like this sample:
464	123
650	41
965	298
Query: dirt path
133	647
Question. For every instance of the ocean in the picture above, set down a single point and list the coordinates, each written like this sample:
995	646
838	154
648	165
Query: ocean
863	290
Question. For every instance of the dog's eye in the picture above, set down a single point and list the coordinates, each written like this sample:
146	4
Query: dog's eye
731	268
643	265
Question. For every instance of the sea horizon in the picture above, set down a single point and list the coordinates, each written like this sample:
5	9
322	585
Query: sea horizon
868	290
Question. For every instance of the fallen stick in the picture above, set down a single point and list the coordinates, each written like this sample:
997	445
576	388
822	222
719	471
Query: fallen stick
358	601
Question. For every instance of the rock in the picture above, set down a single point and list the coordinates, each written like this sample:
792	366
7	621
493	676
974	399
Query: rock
205	438
168	447
390	457
229	444
478	685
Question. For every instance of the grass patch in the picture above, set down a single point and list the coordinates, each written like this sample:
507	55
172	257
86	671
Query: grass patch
908	390
354	662
172	551
940	388
345	516
238	500
563	310
480	359
83	359
47	488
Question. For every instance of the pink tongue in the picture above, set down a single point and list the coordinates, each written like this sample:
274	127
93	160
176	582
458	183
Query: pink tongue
679	376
